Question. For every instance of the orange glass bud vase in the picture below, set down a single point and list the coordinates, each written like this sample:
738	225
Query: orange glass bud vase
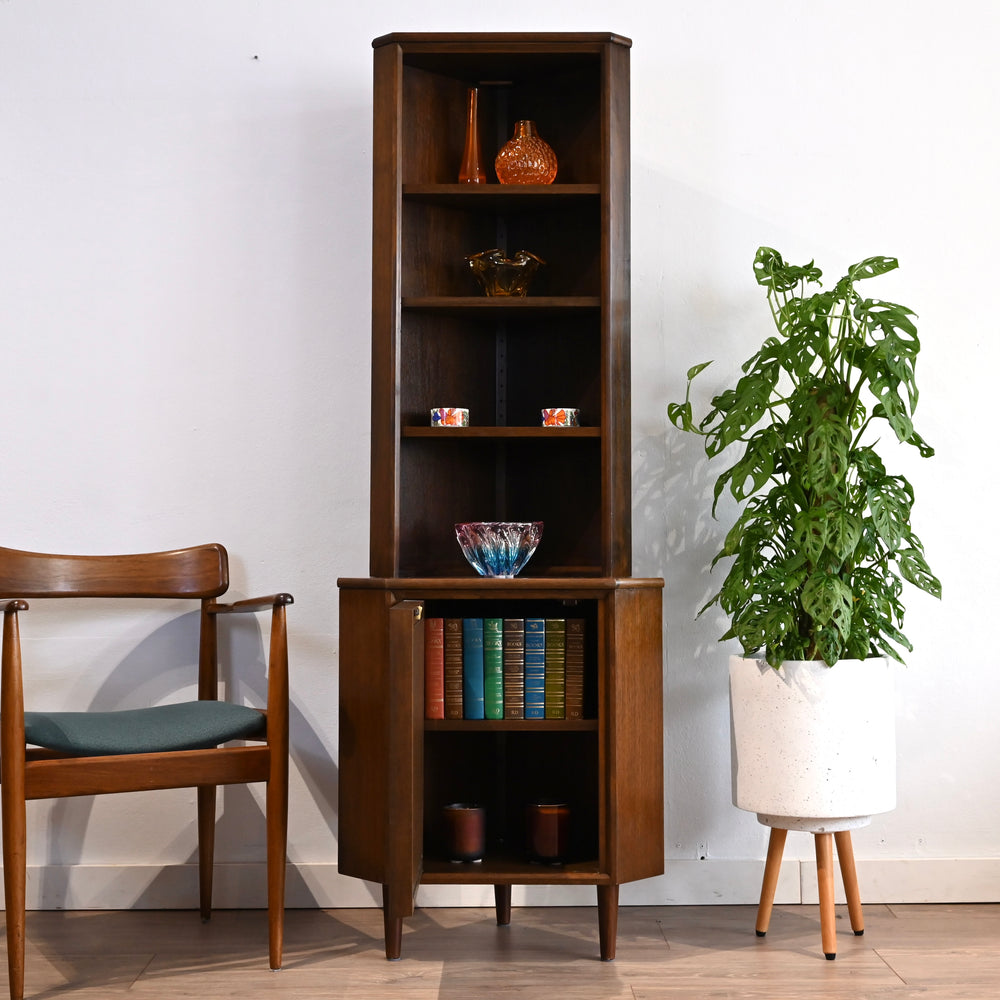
527	158
471	171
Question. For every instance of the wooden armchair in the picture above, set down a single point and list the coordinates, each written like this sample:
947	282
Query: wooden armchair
55	754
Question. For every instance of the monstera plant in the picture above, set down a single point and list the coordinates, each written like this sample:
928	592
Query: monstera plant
823	540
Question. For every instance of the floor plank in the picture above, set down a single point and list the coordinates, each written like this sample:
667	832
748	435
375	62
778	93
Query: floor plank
946	952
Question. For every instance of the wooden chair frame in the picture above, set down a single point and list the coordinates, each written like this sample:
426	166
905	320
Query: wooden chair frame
199	573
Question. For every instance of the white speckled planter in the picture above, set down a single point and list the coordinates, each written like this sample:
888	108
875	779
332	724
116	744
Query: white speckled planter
814	747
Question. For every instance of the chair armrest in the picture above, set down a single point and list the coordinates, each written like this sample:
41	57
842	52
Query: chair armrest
250	604
15	605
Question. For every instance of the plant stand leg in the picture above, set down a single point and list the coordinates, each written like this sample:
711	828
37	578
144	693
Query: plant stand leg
827	914
772	867
501	893
845	851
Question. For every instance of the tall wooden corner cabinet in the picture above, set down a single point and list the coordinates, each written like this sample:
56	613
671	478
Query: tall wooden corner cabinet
437	342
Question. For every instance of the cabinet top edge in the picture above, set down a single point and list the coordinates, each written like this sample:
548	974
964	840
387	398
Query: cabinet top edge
500	38
497	584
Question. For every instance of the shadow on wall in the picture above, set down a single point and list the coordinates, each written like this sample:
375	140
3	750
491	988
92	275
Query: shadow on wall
161	668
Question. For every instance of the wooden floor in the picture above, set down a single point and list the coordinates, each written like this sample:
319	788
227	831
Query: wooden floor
932	952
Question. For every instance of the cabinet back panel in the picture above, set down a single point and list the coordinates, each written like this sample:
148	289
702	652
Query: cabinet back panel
561	95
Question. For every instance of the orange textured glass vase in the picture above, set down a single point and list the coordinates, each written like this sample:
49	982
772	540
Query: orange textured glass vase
527	158
471	171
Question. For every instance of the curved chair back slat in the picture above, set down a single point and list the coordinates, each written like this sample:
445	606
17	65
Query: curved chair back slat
197	572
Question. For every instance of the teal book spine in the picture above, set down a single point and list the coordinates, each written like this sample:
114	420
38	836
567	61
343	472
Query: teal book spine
473	702
493	667
534	668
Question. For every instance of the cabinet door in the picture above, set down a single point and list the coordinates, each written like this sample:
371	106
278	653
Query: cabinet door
635	734
380	811
404	835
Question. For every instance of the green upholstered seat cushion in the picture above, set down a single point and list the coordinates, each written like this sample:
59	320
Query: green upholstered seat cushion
192	725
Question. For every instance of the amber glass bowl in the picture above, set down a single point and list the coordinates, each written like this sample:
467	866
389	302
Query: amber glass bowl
501	275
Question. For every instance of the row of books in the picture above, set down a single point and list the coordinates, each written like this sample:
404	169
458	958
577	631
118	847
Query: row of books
503	668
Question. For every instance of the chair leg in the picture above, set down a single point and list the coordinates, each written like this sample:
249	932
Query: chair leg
206	848
827	912
772	868
14	872
277	853
845	852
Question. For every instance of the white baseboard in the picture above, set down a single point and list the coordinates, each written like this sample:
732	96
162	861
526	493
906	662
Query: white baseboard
714	881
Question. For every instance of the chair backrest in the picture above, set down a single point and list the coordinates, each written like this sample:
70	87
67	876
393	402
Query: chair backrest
198	572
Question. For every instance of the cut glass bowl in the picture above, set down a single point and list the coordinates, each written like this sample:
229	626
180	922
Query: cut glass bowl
498	548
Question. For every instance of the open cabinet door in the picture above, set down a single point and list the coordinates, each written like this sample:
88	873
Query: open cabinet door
404	837
635	743
380	809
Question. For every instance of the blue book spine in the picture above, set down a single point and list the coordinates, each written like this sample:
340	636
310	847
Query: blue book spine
473	703
534	668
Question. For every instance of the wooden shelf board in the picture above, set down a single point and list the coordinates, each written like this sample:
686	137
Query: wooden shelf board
501	432
510	725
507	871
491	197
484	305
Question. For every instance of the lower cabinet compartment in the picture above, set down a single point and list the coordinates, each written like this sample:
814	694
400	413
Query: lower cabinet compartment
506	773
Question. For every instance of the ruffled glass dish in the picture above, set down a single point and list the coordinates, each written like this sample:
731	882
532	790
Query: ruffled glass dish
498	548
501	275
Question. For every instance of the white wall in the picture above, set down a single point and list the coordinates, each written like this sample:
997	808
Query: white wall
184	265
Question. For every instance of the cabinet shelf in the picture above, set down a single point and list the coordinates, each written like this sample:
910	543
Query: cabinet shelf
511	871
502	432
511	725
483	305
499	197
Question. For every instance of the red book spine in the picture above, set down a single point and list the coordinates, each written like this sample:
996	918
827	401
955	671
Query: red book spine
434	668
453	668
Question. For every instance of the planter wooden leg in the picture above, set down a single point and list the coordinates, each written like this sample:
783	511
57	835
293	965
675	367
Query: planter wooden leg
607	920
845	852
772	867
827	913
501	893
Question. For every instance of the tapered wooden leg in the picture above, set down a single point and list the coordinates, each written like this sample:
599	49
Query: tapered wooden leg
206	848
607	920
772	868
14	871
392	923
845	852
277	859
501	893
827	913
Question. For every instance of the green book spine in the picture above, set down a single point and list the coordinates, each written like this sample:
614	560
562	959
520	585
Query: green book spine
493	666
555	668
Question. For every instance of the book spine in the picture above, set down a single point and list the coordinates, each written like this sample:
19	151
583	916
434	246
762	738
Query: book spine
574	668
493	667
453	668
434	668
513	668
534	668
473	702
555	668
